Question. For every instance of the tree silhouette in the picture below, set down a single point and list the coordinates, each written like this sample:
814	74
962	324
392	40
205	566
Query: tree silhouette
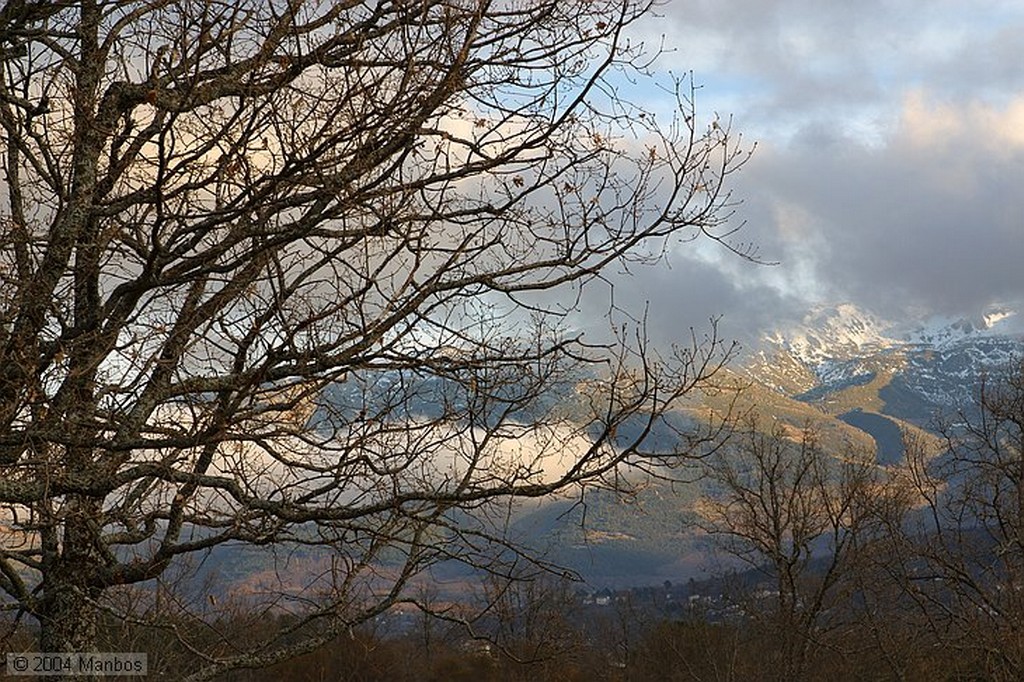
294	274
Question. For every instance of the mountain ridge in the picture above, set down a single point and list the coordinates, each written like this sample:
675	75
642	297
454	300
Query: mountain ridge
929	365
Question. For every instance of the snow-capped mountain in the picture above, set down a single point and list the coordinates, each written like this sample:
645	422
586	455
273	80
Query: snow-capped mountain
844	332
924	366
835	333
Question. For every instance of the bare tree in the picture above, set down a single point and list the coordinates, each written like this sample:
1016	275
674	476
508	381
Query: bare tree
957	549
796	514
293	274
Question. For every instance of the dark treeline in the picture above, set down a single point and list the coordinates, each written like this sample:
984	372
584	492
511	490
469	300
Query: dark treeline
637	634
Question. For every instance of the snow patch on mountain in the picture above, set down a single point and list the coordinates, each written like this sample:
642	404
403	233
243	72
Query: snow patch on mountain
833	334
950	375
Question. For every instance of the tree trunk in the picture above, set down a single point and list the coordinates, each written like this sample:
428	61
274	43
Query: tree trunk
67	613
68	617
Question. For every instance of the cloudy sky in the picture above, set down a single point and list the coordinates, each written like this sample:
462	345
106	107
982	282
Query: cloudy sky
889	169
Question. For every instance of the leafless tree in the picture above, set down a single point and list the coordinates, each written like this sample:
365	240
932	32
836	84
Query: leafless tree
293	274
795	513
957	550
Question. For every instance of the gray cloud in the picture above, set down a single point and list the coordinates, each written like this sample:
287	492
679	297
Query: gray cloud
933	229
891	154
686	295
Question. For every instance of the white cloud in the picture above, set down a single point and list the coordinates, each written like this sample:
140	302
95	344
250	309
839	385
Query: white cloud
929	123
